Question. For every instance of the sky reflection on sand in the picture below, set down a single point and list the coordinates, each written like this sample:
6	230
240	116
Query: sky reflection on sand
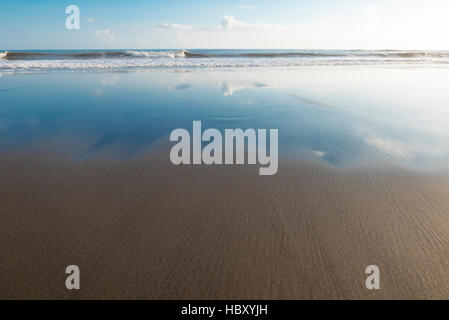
343	116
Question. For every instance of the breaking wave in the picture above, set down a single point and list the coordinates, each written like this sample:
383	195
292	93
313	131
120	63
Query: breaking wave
55	55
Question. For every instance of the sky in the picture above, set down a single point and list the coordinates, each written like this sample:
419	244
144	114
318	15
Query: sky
228	24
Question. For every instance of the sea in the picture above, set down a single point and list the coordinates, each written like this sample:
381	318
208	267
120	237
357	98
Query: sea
37	60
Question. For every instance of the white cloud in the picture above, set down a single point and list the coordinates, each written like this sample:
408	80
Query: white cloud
90	20
230	33
105	34
230	23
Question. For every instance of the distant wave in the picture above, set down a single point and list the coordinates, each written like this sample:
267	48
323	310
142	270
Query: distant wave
155	54
16	61
31	55
57	55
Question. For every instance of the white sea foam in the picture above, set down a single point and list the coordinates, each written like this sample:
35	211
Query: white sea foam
157	54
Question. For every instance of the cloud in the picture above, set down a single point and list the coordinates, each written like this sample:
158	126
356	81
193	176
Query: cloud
105	34
175	26
230	23
230	32
90	20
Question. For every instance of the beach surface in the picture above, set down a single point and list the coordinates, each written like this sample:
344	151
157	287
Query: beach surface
146	229
86	180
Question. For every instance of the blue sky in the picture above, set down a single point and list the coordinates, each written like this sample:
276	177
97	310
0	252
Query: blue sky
329	24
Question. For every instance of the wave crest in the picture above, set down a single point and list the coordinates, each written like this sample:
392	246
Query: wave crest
31	55
156	54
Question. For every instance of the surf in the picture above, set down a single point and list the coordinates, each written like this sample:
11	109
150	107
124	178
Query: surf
136	59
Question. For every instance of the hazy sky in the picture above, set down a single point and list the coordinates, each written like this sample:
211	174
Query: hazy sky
302	24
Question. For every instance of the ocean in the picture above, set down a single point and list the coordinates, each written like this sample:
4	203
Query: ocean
36	60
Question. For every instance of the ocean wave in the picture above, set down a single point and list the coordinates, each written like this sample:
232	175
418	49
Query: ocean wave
173	54
156	54
82	55
16	61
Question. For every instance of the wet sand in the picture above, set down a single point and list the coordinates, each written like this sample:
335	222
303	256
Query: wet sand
146	229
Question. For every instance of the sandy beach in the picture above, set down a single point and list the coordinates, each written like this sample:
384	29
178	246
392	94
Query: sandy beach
362	180
260	153
146	229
